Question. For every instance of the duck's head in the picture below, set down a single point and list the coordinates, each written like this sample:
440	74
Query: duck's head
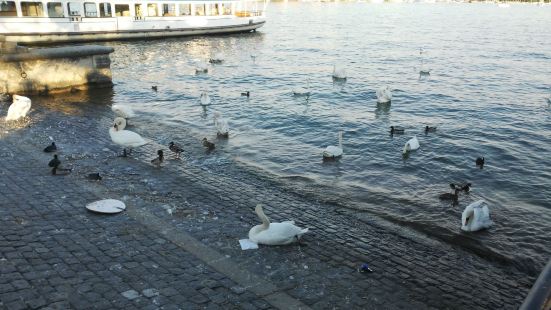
160	153
171	144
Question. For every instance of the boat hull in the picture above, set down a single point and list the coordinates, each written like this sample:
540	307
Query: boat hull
131	34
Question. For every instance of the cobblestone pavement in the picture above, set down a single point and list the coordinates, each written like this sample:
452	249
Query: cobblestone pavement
177	246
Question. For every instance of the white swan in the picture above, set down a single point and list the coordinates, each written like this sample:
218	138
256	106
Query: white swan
123	111
202	68
19	108
339	72
274	233
476	216
334	151
221	124
384	95
302	91
411	145
205	98
125	138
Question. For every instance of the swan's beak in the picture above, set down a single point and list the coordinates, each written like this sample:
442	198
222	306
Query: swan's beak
116	127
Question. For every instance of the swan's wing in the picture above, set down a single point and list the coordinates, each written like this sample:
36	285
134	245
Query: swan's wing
127	138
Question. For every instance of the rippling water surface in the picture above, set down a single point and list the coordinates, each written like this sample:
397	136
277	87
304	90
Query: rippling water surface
491	75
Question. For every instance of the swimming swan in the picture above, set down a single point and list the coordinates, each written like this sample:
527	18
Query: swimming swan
411	145
125	138
339	72
123	111
274	233
331	151
205	98
202	68
221	124
384	95
476	216
19	108
302	91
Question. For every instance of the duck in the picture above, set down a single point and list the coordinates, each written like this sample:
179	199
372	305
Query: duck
50	148
465	187
218	58
384	95
19	108
157	161
449	196
205	98
175	149
123	111
125	138
246	94
253	57
333	152
429	129
274	233
396	130
201	68
57	169
411	145
209	145
480	162
476	216
302	91
94	176
339	72
154	87
221	124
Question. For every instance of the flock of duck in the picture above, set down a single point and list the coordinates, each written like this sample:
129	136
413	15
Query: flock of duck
476	216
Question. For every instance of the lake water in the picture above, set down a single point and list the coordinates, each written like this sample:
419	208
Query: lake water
490	77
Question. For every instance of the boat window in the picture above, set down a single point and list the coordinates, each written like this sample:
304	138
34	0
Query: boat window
169	9
55	9
138	10
185	9
7	8
32	9
200	9
212	9
105	10
90	9
122	10
226	8
152	9
74	8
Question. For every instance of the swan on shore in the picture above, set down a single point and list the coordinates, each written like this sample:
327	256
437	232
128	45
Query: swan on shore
332	152
274	233
123	111
125	138
339	72
19	108
476	216
411	145
384	95
221	124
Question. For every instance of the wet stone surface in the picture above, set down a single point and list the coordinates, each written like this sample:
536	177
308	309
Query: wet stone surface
54	253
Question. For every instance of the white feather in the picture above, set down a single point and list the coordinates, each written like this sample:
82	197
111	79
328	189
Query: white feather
274	233
19	108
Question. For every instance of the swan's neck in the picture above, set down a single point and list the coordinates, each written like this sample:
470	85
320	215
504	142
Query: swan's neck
263	217
340	140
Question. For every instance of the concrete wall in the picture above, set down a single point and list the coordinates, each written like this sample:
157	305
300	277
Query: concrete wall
50	70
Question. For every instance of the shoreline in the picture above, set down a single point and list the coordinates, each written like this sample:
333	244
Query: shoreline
410	270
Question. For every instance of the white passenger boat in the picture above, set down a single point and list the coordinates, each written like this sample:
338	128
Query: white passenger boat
54	21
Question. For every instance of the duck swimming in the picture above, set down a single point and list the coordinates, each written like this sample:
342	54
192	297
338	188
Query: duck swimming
246	94
429	129
57	169
396	130
448	196
274	233
50	148
209	145
94	176
154	88
158	160
476	216
480	162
